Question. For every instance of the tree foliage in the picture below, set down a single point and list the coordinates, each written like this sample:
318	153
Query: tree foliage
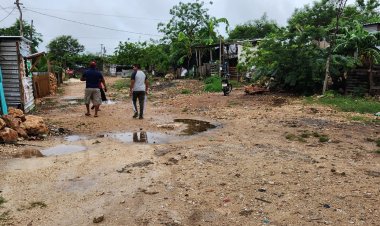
293	57
63	49
259	28
148	55
28	30
190	25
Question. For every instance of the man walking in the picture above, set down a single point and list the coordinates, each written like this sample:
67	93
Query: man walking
92	93
138	90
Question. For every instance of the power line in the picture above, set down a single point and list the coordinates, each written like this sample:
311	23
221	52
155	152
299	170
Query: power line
99	14
91	25
3	9
8	15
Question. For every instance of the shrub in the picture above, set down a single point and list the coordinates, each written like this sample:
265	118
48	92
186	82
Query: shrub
213	84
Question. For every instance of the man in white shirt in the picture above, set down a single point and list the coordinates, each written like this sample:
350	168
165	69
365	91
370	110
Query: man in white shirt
138	90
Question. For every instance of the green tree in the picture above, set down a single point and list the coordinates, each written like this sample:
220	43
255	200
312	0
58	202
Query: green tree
14	30
254	29
190	25
151	55
63	49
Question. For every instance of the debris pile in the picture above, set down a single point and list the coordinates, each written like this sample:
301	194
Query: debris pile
254	89
16	126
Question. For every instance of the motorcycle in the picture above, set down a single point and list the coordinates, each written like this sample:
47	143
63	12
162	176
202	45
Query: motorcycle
226	86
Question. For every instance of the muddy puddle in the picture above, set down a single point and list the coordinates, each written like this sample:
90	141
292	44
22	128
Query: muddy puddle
144	137
80	100
195	126
63	149
74	138
192	127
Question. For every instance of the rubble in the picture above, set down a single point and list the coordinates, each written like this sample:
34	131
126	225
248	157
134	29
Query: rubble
253	89
16	125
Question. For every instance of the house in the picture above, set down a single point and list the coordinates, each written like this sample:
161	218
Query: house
16	71
208	58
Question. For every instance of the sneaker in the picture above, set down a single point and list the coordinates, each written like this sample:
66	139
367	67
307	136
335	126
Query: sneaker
141	117
135	115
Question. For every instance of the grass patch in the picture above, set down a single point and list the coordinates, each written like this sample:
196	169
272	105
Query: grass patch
305	134
347	103
37	204
185	91
213	84
121	84
291	137
377	152
324	138
2	200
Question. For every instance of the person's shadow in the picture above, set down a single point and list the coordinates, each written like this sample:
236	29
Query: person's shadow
143	138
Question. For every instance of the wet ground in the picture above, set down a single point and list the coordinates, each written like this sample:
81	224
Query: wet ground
195	159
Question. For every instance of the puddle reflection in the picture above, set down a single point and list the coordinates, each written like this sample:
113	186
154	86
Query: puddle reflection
143	137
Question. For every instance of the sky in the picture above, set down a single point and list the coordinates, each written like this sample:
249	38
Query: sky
97	23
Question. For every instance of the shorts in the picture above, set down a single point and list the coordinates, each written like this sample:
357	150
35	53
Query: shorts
92	94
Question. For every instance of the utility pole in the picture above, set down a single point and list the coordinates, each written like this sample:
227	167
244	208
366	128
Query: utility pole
19	9
31	31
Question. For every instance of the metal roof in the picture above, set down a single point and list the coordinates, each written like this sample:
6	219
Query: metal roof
15	38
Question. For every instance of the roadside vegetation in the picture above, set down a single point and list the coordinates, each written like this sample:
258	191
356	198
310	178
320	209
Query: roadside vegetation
347	103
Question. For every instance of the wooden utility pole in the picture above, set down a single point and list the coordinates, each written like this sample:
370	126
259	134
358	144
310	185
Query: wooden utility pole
340	5
19	9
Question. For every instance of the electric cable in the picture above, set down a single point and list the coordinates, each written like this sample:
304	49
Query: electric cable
8	15
92	25
98	14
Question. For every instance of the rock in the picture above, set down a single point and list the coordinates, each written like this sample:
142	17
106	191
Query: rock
98	219
34	125
11	121
2	123
16	113
8	135
22	133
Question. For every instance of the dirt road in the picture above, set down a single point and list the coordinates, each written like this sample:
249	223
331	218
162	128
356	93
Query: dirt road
270	160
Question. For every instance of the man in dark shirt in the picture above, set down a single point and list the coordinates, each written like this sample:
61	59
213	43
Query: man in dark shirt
92	93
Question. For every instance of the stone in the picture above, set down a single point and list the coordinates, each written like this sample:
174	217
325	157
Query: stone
35	125
8	135
22	133
2	123
11	121
16	113
98	219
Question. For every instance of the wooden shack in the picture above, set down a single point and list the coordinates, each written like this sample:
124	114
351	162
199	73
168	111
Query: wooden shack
17	77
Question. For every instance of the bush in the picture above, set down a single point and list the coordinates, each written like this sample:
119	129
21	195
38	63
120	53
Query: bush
213	84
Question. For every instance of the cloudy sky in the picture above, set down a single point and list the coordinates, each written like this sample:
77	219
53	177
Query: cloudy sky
98	22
